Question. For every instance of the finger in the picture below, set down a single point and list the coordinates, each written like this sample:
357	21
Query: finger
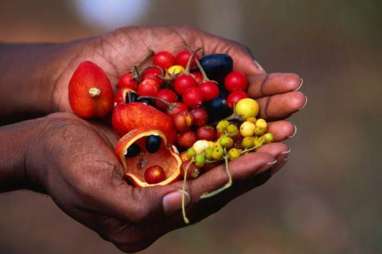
274	83
280	106
281	130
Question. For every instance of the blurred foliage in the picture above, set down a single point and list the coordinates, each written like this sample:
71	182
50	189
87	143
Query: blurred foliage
323	200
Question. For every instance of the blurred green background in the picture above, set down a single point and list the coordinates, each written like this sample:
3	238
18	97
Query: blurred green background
323	201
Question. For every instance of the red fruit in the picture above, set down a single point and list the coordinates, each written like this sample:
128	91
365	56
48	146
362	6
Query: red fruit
198	76
235	81
182	58
210	90
124	95
90	91
167	95
192	97
127	117
206	132
154	174
163	59
184	82
127	81
187	139
153	72
176	108
166	157
148	87
182	121
199	116
234	97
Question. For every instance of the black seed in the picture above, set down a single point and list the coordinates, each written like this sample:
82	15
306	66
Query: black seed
131	97
217	109
132	151
153	143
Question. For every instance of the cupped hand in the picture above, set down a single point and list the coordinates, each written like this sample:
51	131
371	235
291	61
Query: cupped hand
84	177
74	163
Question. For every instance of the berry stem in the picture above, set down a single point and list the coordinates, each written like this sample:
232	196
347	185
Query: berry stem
94	92
184	214
226	186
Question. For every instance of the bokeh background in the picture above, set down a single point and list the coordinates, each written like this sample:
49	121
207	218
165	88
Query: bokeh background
326	198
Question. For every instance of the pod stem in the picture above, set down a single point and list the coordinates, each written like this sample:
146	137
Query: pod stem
226	186
200	67
184	214
94	92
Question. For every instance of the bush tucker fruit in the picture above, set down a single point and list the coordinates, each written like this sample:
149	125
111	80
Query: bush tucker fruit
90	91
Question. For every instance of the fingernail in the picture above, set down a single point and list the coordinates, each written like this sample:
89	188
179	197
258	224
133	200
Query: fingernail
300	85
268	165
258	65
172	202
306	101
294	132
287	152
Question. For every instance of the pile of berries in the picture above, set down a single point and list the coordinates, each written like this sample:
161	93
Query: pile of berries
193	101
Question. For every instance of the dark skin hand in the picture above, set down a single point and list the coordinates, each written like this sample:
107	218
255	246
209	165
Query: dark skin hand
82	174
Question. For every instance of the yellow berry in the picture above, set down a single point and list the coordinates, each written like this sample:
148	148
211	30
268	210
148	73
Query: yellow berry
259	141
191	152
261	127
248	142
246	108
268	137
222	125
175	70
247	129
225	141
232	130
218	152
208	152
234	153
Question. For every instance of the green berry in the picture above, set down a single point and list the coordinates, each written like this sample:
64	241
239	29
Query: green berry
191	152
200	160
246	108
247	129
218	152
225	141
222	125
232	130
268	137
248	142
234	153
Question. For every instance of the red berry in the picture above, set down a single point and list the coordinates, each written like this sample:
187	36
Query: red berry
210	90
206	132
234	97
167	95
153	72
198	76
192	97
182	58
163	59
182	121
183	82
127	81
235	81
176	108
199	116
148	87
187	139
154	174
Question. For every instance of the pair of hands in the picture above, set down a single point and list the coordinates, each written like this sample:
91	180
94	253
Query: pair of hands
74	163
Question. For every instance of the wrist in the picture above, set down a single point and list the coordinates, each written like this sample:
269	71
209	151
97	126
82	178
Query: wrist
16	141
28	78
